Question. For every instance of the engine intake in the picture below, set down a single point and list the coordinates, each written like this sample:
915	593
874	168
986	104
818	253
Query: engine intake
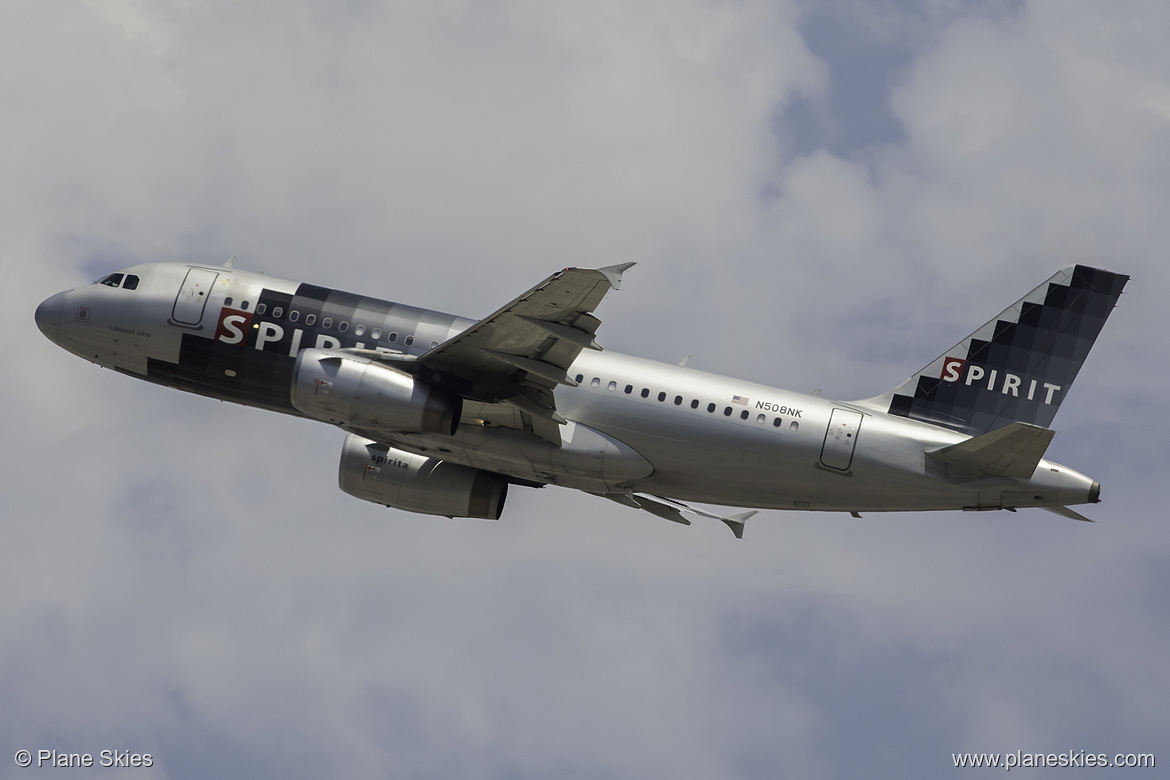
348	390
385	475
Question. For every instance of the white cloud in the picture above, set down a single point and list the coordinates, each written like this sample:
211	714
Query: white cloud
183	577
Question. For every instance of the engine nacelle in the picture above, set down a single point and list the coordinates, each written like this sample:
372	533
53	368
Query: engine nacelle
385	475
349	390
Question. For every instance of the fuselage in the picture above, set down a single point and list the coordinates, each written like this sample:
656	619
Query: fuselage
633	424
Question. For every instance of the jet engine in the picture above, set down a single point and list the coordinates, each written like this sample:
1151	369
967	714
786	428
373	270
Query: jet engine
348	390
385	475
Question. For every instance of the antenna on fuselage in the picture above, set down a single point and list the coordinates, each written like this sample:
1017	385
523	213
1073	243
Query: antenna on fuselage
229	262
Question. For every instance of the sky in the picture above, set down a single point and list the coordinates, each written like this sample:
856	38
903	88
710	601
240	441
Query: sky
817	194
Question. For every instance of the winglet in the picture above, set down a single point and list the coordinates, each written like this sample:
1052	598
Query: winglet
614	273
735	522
1064	511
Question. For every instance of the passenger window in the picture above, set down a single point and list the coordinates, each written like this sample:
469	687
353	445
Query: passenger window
391	338
596	381
727	412
343	326
678	400
244	305
662	396
310	319
360	330
227	301
695	404
629	389
376	334
792	426
113	280
277	312
327	322
294	315
760	419
612	385
645	392
710	408
579	378
131	282
743	415
260	307
409	339
777	422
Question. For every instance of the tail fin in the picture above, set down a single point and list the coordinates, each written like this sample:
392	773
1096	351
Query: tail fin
1017	367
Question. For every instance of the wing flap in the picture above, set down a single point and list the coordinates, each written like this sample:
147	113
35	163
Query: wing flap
539	368
669	509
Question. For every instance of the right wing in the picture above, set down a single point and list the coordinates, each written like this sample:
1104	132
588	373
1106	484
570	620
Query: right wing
517	356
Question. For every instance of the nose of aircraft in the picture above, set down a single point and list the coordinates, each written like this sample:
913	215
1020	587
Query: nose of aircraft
49	315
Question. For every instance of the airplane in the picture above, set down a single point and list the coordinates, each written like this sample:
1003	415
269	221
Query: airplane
444	413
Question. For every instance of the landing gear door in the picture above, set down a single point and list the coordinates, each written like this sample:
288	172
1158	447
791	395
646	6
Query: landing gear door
840	439
193	297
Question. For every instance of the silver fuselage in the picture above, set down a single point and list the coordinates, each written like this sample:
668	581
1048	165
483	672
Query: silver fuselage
710	438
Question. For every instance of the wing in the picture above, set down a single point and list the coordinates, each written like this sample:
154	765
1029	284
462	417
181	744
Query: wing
518	355
669	509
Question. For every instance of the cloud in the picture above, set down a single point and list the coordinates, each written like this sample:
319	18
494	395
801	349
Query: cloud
182	576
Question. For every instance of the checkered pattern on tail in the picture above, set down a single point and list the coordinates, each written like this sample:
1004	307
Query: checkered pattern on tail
1019	365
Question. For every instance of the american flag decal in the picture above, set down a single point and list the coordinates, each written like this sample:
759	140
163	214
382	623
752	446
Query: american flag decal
739	399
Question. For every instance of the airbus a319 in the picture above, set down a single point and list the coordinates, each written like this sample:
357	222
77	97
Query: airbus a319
444	413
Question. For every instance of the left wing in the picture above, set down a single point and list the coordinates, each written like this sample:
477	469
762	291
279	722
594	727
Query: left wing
519	354
669	509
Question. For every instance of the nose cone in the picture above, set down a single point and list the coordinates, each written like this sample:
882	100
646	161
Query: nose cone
49	315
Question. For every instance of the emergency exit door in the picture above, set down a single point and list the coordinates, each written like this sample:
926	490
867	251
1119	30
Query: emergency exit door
193	296
840	439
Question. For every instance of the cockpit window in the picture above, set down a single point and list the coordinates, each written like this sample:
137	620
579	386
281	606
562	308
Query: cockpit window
116	280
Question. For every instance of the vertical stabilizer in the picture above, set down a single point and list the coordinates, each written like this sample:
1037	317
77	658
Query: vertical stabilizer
1017	367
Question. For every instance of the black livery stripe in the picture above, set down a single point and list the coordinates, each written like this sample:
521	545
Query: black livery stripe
257	378
249	356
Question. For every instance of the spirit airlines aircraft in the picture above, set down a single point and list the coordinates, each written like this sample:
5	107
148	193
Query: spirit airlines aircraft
443	412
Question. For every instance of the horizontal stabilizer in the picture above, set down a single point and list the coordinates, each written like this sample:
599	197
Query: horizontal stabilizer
1012	451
